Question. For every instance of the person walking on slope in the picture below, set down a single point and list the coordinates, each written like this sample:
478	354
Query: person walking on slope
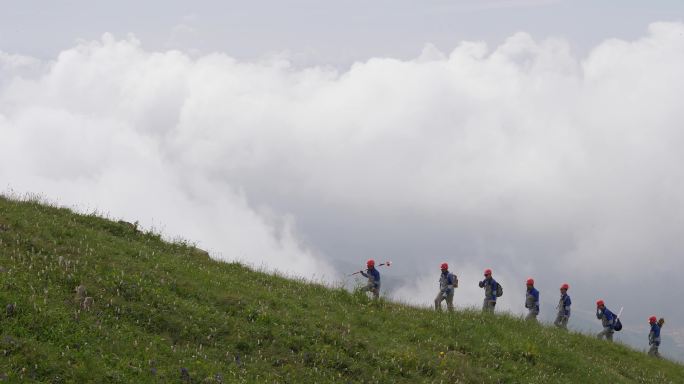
373	277
563	308
447	282
492	291
532	301
654	336
607	320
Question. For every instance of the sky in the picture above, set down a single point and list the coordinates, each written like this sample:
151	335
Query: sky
313	32
538	138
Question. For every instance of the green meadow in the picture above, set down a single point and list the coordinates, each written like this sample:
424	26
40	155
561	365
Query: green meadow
165	312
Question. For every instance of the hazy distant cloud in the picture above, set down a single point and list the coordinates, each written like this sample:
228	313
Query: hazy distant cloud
185	36
520	157
14	62
13	65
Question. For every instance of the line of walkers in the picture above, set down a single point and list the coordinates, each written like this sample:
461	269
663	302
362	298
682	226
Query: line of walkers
494	290
448	282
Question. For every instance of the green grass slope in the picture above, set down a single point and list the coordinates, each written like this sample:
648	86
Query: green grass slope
160	308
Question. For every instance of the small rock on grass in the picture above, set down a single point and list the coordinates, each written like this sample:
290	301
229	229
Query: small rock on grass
10	309
87	304
185	375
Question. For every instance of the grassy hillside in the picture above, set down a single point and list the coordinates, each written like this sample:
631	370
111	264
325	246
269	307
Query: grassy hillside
162	308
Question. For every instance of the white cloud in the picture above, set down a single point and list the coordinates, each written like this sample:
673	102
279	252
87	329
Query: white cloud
99	129
520	157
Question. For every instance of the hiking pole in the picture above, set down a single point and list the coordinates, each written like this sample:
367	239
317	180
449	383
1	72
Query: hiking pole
386	264
620	313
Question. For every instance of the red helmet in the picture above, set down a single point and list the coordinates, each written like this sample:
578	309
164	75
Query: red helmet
370	263
444	266
530	281
600	303
652	319
487	272
565	286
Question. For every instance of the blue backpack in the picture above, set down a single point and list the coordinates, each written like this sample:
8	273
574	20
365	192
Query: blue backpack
618	325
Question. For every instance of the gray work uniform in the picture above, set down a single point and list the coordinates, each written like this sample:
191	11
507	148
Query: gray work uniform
373	285
653	351
654	340
563	312
607	325
532	304
489	302
447	283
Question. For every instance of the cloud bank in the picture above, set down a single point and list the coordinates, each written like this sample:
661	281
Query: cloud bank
520	157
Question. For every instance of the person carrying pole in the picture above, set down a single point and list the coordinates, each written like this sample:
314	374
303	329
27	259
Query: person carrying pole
373	277
563	308
447	282
607	320
532	301
492	291
654	336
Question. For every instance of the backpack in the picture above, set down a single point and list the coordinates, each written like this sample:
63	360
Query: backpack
499	290
618	325
454	280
